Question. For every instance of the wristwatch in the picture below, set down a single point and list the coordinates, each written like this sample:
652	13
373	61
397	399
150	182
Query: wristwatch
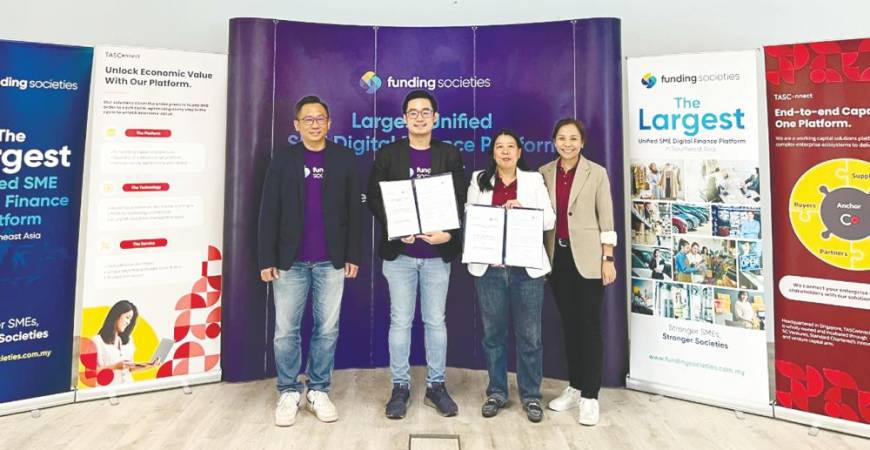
607	258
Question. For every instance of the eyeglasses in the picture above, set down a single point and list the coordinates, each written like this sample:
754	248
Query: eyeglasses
414	113
309	121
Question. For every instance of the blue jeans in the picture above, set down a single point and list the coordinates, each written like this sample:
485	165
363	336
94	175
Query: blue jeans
433	276
506	293
291	293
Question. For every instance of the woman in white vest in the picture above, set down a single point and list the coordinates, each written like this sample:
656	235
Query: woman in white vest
511	292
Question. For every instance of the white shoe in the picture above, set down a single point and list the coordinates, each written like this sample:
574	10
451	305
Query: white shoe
319	404
569	399
589	413
285	412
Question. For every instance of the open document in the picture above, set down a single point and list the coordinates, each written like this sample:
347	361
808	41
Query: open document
419	206
496	235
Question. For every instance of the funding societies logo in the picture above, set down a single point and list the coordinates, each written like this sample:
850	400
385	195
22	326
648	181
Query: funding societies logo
648	80
370	81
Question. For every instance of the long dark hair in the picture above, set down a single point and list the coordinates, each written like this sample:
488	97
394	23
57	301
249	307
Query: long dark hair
107	332
484	178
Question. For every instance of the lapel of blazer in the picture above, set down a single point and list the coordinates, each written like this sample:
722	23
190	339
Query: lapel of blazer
328	164
523	188
297	166
403	161
580	178
439	165
485	198
550	175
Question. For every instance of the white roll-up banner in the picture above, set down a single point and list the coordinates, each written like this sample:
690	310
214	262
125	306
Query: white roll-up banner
150	288
698	299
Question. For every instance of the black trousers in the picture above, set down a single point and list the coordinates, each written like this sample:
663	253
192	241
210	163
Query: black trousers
579	302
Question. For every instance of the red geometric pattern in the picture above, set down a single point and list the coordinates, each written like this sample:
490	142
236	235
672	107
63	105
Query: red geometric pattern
88	357
842	397
828	62
197	324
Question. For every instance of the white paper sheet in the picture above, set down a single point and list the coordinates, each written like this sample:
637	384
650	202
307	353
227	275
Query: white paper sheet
524	238
484	234
436	201
400	209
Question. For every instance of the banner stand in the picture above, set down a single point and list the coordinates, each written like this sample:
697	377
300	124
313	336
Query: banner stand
157	384
759	409
31	404
821	421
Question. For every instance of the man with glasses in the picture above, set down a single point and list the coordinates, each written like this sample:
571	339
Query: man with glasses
422	260
309	235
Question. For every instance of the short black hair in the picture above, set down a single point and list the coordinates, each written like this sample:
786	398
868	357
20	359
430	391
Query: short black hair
419	94
570	121
309	99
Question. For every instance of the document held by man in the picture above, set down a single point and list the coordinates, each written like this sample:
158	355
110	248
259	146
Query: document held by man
400	208
524	238
419	206
436	203
484	234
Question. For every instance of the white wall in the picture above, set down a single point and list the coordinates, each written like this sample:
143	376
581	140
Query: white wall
649	27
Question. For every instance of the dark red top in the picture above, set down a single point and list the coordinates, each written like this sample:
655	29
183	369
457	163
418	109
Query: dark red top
501	193
564	180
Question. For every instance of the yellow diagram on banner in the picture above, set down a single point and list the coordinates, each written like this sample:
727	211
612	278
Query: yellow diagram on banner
828	211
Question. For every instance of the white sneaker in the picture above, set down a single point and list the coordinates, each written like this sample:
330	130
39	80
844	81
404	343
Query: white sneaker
588	412
285	412
319	404
570	398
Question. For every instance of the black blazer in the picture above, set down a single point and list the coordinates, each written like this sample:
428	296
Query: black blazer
282	207
393	162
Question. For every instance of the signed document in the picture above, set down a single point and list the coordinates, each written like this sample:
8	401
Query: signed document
484	234
436	203
400	208
523	241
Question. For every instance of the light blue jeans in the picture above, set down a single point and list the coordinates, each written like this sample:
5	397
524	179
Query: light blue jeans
403	276
291	293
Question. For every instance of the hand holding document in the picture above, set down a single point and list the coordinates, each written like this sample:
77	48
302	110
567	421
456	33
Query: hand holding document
495	235
418	206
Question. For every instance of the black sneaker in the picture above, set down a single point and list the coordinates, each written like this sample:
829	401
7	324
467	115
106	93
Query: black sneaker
491	406
438	398
534	411
397	407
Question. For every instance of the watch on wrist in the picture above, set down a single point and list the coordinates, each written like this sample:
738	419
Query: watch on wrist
607	258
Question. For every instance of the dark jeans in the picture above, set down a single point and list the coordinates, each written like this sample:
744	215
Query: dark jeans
505	294
579	301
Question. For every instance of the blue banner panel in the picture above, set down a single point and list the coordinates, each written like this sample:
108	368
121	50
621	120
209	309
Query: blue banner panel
43	117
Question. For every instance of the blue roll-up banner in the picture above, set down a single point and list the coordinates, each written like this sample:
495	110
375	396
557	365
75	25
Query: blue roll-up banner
43	118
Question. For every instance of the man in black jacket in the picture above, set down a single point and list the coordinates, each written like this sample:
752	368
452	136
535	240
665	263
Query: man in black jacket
422	259
309	234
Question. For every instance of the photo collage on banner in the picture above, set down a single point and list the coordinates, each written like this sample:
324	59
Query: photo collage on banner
152	226
43	118
819	121
697	285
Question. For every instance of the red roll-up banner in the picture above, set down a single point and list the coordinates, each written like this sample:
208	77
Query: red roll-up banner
818	97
